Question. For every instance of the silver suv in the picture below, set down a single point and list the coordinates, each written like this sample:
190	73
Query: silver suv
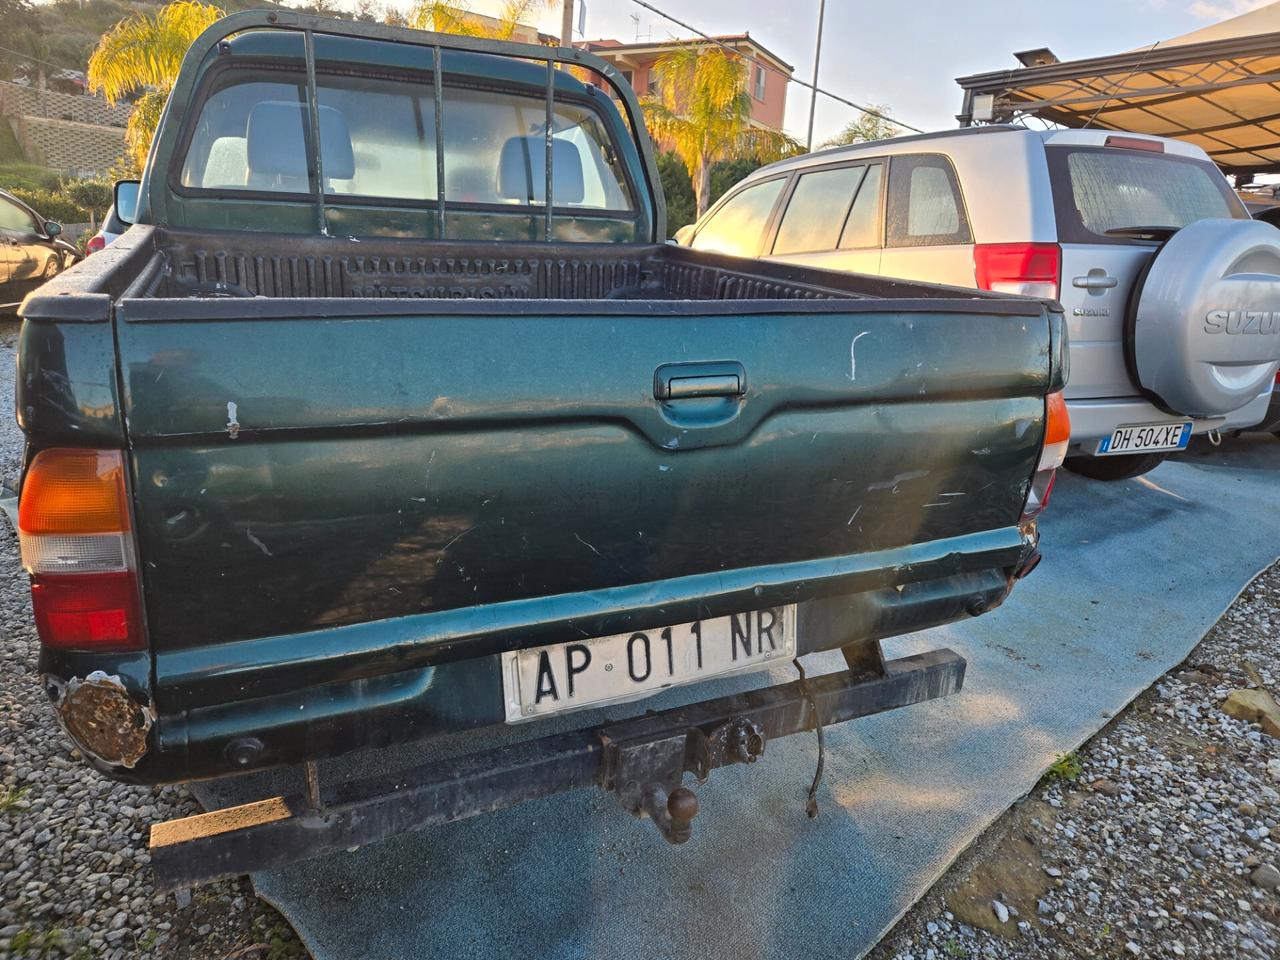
1172	292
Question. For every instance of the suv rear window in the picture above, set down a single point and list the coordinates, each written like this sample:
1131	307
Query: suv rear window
1097	189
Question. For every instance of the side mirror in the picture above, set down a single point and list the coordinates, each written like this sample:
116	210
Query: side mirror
684	235
52	228
126	199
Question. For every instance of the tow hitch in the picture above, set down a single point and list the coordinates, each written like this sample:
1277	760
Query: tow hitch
642	761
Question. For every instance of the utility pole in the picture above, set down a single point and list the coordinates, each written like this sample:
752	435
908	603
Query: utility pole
817	56
566	23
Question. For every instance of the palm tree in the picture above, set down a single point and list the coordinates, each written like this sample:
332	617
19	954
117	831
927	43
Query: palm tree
458	18
142	54
867	127
702	112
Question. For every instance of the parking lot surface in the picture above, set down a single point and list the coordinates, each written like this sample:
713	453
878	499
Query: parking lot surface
1134	575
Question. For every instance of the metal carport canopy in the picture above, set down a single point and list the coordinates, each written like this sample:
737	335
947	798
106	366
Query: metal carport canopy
1218	88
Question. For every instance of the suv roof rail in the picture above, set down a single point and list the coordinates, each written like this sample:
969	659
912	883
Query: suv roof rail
909	138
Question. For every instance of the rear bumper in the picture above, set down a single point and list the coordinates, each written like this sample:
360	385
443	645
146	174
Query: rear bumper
1271	422
1091	420
961	577
643	762
1251	414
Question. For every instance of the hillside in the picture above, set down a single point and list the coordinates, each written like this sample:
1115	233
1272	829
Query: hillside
69	29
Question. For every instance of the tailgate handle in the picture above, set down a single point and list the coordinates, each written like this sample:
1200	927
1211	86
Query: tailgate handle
681	381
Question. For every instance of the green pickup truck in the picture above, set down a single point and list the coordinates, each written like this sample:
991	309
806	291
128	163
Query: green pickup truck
393	416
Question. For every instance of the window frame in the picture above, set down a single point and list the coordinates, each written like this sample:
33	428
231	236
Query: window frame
771	222
222	76
961	237
759	83
789	192
881	193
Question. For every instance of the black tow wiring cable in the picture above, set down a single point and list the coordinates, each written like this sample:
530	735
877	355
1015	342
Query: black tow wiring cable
811	807
870	111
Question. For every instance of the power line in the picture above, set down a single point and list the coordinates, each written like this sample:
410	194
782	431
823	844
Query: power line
826	93
31	59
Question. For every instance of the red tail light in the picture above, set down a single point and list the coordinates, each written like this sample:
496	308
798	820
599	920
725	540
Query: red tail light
96	243
1032	269
87	611
73	527
1057	436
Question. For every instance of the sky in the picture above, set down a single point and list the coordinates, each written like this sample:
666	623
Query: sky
904	54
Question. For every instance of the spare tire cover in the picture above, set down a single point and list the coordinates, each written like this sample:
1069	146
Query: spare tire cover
1204	324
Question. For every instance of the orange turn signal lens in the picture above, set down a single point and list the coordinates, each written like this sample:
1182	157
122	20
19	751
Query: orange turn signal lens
1057	438
72	491
1058	427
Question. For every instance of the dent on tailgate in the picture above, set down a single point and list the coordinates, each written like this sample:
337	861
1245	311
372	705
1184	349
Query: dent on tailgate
506	457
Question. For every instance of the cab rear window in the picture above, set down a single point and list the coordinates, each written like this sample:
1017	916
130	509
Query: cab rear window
378	140
1097	189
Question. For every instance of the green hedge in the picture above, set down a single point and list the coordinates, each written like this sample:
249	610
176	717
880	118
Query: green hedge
28	176
52	206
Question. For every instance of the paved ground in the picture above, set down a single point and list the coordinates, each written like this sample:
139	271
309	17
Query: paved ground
760	880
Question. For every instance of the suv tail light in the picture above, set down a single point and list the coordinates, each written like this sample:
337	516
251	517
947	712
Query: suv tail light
95	243
1057	435
73	527
1032	269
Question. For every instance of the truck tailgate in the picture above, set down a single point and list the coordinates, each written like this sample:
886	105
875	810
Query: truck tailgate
336	463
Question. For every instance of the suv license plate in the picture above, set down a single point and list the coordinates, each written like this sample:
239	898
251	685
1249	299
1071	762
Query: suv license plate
629	666
1146	438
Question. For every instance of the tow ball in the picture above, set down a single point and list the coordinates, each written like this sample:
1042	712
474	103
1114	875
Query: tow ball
671	813
646	772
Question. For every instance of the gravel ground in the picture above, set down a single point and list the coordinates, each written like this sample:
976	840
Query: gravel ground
73	845
1144	844
1155	839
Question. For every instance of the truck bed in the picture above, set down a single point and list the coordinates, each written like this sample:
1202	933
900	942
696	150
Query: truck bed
204	265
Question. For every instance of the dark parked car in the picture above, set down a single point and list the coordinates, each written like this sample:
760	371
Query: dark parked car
31	251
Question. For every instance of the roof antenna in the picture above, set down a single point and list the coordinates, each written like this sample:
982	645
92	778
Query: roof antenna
1115	88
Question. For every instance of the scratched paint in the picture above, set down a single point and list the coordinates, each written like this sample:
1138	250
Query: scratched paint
853	355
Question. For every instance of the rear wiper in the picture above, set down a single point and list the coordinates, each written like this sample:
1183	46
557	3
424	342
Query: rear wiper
1143	233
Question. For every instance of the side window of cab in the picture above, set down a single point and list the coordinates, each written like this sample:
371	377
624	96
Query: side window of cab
738	226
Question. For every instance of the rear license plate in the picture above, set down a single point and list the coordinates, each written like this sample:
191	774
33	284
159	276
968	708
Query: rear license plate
591	673
1146	438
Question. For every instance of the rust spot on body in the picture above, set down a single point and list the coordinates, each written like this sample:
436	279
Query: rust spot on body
103	720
